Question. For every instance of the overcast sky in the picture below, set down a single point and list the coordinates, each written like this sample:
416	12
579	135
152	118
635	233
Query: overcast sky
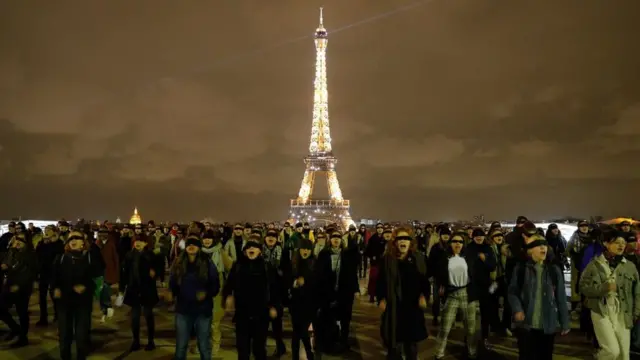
441	110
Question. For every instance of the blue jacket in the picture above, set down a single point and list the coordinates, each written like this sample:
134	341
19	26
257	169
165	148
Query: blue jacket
555	311
185	291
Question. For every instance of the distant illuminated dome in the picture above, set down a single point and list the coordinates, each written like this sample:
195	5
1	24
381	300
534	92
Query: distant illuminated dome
135	218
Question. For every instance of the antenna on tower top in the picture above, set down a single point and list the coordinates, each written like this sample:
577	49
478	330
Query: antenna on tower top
321	18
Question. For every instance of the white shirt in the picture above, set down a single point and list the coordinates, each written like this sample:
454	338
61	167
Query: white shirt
458	272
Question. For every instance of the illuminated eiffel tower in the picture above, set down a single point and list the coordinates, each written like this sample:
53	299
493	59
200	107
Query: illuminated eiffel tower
320	158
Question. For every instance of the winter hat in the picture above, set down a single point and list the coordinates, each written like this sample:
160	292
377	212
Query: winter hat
251	244
445	231
193	240
521	219
477	232
306	244
529	228
272	233
552	226
298	225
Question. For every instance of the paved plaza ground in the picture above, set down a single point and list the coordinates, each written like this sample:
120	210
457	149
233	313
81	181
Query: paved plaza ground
112	339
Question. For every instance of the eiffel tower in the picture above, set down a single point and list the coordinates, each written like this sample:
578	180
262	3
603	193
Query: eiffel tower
320	158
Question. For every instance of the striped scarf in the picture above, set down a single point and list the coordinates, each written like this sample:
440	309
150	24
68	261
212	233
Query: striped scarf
272	255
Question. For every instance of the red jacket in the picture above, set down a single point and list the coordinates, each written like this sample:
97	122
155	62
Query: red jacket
109	253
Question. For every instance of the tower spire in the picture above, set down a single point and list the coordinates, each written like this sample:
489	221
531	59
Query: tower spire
320	134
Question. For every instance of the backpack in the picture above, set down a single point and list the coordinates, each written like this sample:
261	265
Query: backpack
520	274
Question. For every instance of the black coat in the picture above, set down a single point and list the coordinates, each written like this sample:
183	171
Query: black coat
348	277
409	317
304	299
71	269
139	290
255	288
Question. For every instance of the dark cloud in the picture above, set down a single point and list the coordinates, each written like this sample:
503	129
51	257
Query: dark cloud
445	109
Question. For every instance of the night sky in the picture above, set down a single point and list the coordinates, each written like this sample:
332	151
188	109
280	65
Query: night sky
439	110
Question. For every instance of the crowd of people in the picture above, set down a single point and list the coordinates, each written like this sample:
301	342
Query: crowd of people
263	272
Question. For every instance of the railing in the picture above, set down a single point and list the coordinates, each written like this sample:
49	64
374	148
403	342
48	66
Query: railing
320	203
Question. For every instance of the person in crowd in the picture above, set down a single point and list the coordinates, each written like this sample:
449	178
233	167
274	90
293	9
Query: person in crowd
73	288
610	285
106	242
374	251
482	262
337	286
212	247
580	239
138	285
236	243
439	252
632	256
19	273
499	294
161	250
362	246
47	251
320	244
194	283
403	289
249	290
459	292
6	237
272	254
558	245
304	304
539	302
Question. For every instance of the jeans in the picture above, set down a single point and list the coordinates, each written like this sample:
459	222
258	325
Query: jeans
185	323
105	298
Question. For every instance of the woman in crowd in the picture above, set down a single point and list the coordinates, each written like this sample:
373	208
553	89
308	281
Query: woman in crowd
403	289
272	254
248	290
303	306
610	285
458	289
138	283
47	250
194	283
73	288
337	285
19	268
539	302
212	248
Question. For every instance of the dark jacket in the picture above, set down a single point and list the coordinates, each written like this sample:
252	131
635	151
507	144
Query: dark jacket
185	290
555	312
403	319
47	251
138	286
254	286
348	276
71	269
21	270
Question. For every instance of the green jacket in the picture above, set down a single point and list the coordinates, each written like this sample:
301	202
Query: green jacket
593	285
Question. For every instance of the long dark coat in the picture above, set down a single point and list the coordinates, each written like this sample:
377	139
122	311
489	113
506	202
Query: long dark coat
144	292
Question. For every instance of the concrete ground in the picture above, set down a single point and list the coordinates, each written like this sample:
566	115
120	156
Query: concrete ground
112	339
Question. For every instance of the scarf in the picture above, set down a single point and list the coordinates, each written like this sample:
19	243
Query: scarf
336	260
272	255
215	253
